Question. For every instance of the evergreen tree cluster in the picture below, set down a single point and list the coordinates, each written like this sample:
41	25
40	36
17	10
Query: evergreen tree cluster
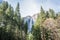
11	23
47	26
12	27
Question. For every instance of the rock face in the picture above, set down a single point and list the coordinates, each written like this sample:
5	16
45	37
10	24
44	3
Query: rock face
35	17
50	24
29	21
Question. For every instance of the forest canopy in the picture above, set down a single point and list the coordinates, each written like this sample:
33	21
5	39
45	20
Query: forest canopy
12	27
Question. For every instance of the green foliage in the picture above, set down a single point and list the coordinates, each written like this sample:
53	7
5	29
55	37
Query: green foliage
29	37
12	26
8	23
51	13
40	18
6	35
47	14
37	33
38	25
17	13
26	28
4	5
41	33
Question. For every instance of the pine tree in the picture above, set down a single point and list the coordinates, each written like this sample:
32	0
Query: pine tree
4	5
26	28
41	17
47	14
18	19
38	25
17	11
51	13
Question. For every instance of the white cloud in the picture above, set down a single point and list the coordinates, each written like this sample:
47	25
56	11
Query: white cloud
30	7
27	7
51	4
4	0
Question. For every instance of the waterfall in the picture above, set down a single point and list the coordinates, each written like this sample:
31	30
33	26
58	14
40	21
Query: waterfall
30	22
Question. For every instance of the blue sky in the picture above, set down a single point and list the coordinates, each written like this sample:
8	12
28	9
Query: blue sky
30	7
0	1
